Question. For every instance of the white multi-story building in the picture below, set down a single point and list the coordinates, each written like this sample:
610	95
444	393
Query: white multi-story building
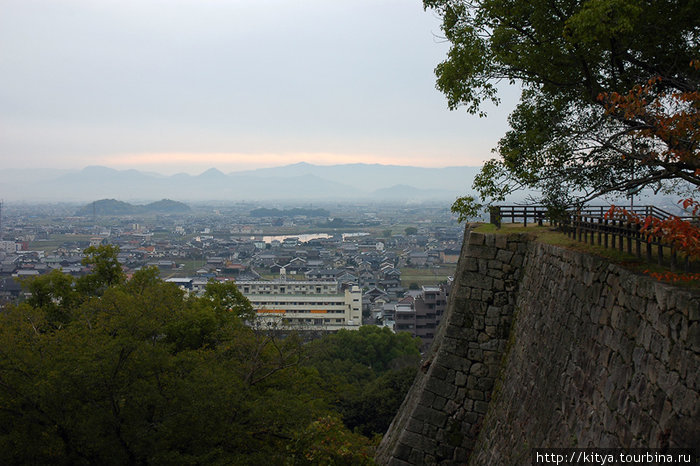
305	305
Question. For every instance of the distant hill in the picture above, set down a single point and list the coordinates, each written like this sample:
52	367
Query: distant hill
114	207
297	182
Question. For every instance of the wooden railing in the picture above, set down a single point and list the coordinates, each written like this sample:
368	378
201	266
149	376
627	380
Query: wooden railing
539	213
591	225
623	235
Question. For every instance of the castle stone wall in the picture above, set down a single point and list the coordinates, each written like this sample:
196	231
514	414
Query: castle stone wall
546	347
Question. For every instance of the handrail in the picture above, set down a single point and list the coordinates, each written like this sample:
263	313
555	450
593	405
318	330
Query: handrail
591	222
538	213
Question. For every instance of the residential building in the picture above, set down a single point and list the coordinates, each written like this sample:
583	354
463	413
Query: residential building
419	314
305	305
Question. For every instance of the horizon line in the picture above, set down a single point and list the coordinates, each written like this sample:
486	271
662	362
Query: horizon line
200	171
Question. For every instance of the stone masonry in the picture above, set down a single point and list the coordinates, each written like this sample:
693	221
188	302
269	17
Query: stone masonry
440	419
596	357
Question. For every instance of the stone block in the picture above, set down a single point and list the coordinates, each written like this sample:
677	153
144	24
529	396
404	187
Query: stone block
439	371
495	273
471	264
484	384
440	388
662	294
476	238
414	425
481	407
481	252
479	370
416	457
475	355
504	256
500	241
491	321
439	403
517	260
694	312
460	379
500	298
402	452
430	416
476	280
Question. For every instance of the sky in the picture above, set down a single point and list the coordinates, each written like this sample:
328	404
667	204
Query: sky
186	85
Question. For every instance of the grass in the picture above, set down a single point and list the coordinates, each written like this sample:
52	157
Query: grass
426	276
546	234
57	241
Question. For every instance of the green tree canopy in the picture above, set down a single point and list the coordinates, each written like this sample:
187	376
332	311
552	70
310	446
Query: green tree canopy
366	374
568	55
135	372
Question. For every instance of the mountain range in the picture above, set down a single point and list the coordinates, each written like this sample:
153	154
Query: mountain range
301	181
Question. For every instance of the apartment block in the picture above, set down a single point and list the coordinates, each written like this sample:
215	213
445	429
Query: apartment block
305	305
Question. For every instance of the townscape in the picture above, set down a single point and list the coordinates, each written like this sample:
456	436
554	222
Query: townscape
400	257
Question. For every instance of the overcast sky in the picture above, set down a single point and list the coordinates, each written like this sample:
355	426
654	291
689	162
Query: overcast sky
186	85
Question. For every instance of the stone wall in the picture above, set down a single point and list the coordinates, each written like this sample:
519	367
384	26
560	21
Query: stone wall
596	357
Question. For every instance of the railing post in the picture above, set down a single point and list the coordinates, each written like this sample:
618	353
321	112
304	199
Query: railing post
578	227
628	234
674	259
495	215
525	217
661	253
637	235
600	227
621	232
605	233
613	231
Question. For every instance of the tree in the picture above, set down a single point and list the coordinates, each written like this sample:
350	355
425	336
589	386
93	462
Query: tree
410	231
225	297
134	372
366	374
327	441
564	141
106	269
675	118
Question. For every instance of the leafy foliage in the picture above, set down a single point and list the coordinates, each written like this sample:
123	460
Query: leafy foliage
326	441
104	370
366	374
573	59
667	131
681	234
466	207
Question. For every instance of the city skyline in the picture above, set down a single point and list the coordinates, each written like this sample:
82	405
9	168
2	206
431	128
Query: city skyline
183	86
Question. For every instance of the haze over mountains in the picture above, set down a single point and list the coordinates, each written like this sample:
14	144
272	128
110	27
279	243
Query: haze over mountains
301	181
